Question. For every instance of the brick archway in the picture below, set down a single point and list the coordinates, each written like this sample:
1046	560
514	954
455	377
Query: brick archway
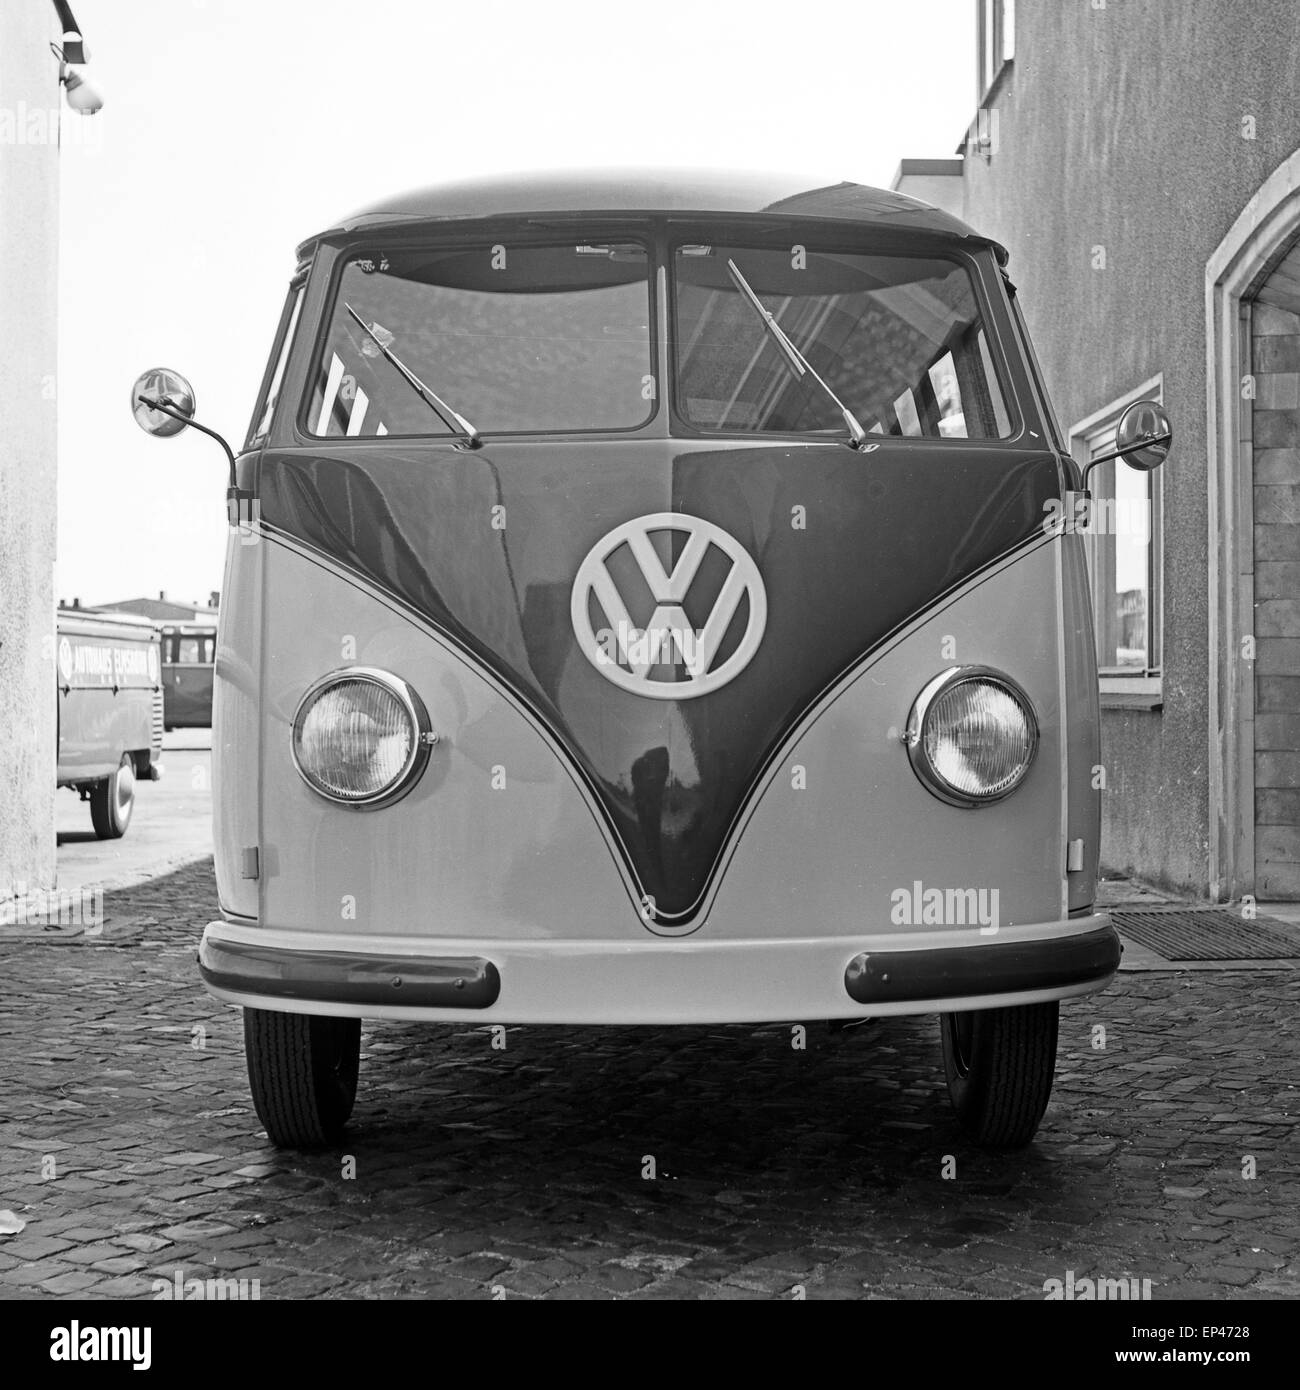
1262	235
1274	459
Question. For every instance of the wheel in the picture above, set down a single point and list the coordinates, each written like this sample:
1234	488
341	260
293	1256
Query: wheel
302	1071
112	800
999	1065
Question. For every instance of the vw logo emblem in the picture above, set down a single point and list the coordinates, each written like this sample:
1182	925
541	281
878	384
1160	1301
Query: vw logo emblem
627	655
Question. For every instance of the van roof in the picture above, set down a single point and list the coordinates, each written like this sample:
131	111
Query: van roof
84	621
640	191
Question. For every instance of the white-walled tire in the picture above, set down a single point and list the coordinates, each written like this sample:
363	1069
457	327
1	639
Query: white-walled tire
112	800
999	1064
302	1072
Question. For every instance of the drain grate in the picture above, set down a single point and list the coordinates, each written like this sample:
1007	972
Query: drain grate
1204	933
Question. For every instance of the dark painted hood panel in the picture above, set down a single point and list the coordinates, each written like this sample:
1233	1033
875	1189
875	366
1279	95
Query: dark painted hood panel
486	544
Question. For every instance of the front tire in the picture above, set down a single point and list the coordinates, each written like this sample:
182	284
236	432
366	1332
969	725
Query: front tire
302	1072
112	800
999	1065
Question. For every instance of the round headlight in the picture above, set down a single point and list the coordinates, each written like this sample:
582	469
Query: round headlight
971	736
361	737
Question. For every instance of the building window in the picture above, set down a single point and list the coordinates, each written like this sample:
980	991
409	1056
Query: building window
1124	546
996	40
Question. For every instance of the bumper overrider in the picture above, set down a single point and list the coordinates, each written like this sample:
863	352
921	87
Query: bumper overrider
656	981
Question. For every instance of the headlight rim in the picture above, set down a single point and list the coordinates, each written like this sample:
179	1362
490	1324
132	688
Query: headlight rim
417	757
914	735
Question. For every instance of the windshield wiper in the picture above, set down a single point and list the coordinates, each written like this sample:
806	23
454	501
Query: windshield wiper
439	407
801	365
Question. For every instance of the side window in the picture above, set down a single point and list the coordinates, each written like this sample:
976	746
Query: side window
280	355
1001	419
1124	545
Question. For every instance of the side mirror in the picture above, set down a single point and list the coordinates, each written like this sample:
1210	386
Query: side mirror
162	386
162	402
1143	436
1142	439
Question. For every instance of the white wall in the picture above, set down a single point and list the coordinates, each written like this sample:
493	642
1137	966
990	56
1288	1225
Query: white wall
29	206
939	190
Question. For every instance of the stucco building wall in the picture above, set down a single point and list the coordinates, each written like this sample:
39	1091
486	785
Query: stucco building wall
29	196
1128	139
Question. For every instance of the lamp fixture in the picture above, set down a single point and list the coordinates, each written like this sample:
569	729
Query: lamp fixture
83	96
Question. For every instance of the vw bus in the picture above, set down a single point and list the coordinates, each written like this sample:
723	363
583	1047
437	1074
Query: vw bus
653	598
109	705
188	651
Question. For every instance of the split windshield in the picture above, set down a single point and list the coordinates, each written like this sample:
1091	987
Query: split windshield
898	340
512	338
528	338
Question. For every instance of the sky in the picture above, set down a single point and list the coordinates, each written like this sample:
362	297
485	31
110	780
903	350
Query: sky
233	129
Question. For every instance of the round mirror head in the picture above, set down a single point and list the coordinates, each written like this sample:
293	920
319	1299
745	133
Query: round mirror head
171	388
1143	435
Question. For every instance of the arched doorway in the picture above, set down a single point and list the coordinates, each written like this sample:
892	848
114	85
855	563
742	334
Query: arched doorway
1274	397
1254	546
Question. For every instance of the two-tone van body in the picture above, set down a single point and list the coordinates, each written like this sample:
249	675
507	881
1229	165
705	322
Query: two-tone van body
109	699
649	603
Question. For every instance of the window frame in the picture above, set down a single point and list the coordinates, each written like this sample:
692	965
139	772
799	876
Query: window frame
267	403
1126	687
1038	382
641	233
995	43
742	237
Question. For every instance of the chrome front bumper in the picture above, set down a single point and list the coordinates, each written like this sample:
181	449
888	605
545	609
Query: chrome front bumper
656	980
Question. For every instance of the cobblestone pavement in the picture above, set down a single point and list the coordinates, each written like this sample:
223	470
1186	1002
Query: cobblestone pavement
132	1152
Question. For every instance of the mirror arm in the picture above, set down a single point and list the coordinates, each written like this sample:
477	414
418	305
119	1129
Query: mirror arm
194	424
1119	453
